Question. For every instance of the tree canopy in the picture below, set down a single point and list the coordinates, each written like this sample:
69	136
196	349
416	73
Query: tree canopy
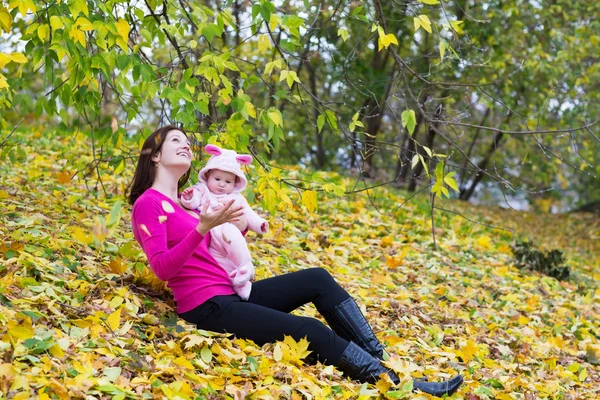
428	95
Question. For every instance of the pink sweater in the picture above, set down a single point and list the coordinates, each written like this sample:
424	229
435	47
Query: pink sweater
177	253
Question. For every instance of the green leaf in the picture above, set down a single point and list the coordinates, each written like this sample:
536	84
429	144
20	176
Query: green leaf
442	49
320	122
439	171
409	120
115	215
332	120
451	182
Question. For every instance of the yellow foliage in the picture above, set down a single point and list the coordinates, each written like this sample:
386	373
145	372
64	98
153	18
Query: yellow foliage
463	308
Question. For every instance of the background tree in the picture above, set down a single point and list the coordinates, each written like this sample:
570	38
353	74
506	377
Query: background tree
501	95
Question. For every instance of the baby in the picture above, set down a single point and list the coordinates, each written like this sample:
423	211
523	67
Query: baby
219	181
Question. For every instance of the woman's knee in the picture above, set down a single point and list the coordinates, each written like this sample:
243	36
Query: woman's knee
319	274
312	329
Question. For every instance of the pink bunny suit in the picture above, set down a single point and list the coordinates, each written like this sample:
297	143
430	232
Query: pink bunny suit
228	246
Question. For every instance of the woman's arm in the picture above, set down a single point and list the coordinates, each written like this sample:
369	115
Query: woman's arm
152	234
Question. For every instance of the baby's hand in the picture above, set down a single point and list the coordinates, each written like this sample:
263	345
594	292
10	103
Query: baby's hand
188	193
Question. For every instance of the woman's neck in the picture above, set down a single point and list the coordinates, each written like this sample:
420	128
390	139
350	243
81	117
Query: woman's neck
166	184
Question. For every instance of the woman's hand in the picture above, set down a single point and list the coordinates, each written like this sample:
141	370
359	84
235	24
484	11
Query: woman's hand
209	220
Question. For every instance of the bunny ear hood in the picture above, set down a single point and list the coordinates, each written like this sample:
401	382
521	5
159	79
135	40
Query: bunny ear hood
226	160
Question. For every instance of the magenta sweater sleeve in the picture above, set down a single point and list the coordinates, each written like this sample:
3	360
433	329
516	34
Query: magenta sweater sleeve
148	219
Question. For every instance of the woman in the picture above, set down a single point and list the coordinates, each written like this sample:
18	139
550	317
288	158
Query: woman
176	241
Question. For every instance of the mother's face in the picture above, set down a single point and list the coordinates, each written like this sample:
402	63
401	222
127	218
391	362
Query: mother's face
175	153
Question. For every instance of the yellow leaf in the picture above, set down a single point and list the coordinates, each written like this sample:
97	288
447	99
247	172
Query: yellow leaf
417	23
79	6
274	20
6	19
387	241
182	361
145	230
275	117
56	22
469	351
383	386
15	57
264	44
343	32
81	236
431	2
162	218
56	351
7	370
557	342
379	279
64	177
249	107
117	266
457	26
26	5
77	35
43	32
485	242
583	375
84	24
167	207
425	22
3	83
393	262
114	320
21	332
123	28
309	200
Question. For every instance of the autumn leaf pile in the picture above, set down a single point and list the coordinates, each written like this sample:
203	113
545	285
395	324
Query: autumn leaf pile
81	315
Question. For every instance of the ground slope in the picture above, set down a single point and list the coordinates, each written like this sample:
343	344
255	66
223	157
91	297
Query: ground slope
81	315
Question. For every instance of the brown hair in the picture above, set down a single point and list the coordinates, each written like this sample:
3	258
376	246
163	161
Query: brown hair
145	171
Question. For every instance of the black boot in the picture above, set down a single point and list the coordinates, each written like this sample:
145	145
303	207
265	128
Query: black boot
362	366
438	388
348	322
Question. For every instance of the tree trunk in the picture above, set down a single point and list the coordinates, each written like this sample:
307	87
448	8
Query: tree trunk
374	110
412	185
320	151
471	146
466	194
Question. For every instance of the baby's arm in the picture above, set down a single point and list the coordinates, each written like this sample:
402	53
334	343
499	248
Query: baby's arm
255	222
193	197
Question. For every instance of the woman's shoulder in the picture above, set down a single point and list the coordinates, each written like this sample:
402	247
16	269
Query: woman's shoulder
147	201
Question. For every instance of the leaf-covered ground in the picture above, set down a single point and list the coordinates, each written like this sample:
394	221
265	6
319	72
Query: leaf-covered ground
81	315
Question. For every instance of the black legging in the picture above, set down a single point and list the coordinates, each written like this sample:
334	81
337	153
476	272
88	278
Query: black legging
265	317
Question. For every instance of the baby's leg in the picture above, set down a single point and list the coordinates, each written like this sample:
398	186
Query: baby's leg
237	252
243	290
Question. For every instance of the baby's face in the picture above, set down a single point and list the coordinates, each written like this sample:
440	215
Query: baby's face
220	182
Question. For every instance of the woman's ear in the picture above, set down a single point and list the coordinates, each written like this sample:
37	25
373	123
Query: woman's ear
156	156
